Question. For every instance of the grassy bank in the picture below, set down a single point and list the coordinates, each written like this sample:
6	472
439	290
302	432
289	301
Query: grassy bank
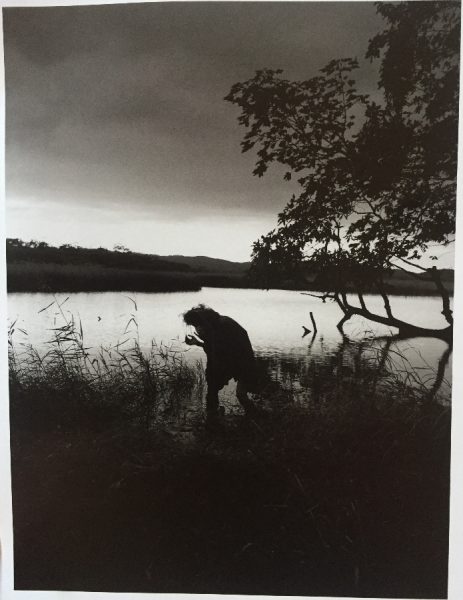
37	267
51	277
116	488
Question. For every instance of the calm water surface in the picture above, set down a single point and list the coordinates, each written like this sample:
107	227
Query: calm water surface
273	319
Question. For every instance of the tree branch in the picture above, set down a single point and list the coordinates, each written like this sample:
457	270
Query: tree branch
443	362
362	300
323	297
413	265
344	306
345	318
384	296
446	311
405	329
415	275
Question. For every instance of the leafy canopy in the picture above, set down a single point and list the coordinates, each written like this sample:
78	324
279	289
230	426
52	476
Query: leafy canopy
377	181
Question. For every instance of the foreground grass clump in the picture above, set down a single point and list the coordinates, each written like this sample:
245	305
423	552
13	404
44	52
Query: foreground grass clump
340	487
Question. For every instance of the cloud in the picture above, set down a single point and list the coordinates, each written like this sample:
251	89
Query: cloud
122	105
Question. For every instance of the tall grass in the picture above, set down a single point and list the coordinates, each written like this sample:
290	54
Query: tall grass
71	381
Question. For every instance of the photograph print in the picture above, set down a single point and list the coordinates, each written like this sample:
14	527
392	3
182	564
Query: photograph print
230	272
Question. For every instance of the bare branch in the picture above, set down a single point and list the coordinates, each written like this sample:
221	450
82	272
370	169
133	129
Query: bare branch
384	296
323	297
362	300
313	323
408	262
415	275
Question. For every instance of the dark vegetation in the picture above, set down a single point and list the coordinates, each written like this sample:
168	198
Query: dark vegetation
38	267
340	487
376	178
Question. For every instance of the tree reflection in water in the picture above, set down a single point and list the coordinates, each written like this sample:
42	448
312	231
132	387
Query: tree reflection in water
369	368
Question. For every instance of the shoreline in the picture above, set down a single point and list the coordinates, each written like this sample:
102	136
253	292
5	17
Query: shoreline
409	293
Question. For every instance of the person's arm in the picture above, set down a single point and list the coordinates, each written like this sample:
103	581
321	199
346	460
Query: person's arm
193	341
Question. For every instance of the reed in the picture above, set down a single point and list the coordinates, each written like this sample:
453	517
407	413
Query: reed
69	382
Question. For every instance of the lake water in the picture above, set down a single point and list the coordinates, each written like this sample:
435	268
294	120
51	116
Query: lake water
273	319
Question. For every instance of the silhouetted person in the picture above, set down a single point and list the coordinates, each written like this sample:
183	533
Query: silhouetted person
229	355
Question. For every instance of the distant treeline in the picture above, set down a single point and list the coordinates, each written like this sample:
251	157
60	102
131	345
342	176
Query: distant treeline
37	267
398	282
40	252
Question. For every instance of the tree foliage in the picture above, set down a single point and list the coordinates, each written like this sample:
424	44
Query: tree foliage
377	180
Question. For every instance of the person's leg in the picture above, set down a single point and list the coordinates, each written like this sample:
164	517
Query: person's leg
242	395
212	407
212	395
212	399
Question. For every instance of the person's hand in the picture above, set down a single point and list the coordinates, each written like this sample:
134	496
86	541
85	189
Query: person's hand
190	340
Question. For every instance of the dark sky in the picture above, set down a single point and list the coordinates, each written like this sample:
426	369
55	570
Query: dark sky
117	131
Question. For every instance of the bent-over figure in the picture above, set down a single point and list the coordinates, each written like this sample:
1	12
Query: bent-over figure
229	355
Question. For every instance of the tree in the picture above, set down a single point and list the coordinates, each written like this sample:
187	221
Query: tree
121	248
377	180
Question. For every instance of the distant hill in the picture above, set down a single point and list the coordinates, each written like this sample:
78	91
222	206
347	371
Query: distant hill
207	264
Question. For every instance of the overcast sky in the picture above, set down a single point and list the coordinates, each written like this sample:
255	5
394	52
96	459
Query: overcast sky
117	131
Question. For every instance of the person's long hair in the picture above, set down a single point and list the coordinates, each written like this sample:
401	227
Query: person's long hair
200	315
